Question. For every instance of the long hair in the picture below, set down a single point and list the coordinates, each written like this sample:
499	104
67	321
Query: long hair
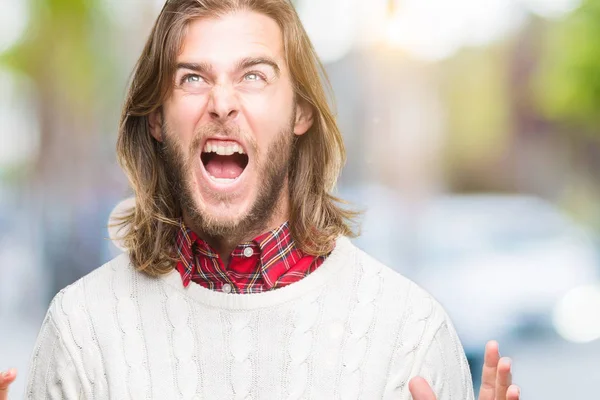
316	217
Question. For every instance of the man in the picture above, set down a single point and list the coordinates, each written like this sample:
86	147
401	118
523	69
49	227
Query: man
239	279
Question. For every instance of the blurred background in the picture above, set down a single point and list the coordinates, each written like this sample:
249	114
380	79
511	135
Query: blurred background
473	137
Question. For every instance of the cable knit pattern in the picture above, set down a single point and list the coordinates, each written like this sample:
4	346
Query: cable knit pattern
352	329
52	365
126	315
300	345
240	348
360	323
446	370
73	310
183	345
410	341
94	359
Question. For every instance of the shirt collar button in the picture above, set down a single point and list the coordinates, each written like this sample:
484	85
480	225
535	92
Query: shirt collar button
248	252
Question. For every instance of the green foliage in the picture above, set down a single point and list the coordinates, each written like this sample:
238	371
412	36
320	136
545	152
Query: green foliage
568	84
475	89
60	50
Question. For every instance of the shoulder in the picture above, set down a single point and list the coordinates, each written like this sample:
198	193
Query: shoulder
94	290
404	299
102	278
425	341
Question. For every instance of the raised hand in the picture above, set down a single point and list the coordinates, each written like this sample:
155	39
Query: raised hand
6	378
496	382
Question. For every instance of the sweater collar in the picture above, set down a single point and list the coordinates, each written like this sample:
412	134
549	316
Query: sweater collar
343	257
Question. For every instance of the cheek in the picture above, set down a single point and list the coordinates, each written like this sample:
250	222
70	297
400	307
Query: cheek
267	117
184	115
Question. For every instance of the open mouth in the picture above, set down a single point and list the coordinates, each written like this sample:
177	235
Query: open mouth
224	161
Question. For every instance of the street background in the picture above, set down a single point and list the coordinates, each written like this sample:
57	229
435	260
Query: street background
473	137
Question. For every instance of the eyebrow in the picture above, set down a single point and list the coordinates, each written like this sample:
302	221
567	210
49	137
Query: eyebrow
202	68
244	63
250	62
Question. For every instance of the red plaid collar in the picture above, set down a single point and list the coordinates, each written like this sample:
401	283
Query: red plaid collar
274	261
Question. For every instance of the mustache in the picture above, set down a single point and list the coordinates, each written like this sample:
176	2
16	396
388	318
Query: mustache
226	131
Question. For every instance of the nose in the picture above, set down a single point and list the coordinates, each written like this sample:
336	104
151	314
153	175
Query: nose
224	104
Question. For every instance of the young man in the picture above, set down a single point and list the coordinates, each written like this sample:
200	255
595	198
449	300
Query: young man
239	279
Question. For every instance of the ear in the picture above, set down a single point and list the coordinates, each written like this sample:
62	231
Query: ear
155	122
304	117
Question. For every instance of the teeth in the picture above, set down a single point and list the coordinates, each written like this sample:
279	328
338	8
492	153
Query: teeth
223	150
220	150
223	180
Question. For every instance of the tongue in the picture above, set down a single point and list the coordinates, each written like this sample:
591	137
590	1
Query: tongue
224	167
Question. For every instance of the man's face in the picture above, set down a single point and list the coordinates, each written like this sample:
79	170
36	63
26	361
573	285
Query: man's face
229	125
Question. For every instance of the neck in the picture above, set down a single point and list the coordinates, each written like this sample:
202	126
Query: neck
225	244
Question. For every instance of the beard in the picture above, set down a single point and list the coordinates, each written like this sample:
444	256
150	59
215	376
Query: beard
273	167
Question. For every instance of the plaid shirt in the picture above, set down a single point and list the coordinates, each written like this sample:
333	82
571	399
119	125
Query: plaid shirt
270	261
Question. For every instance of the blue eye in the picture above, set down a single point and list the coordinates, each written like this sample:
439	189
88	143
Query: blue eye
192	78
253	77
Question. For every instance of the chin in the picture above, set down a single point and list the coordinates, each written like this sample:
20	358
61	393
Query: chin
225	216
216	216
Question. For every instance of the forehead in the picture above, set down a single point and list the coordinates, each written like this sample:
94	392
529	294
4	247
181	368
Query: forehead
223	40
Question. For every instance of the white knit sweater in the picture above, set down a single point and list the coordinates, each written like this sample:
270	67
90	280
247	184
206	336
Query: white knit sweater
353	329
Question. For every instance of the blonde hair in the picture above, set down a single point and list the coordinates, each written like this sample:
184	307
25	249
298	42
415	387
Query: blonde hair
316	218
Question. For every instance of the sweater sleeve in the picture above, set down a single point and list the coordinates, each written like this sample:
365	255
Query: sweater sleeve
428	346
445	366
53	373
